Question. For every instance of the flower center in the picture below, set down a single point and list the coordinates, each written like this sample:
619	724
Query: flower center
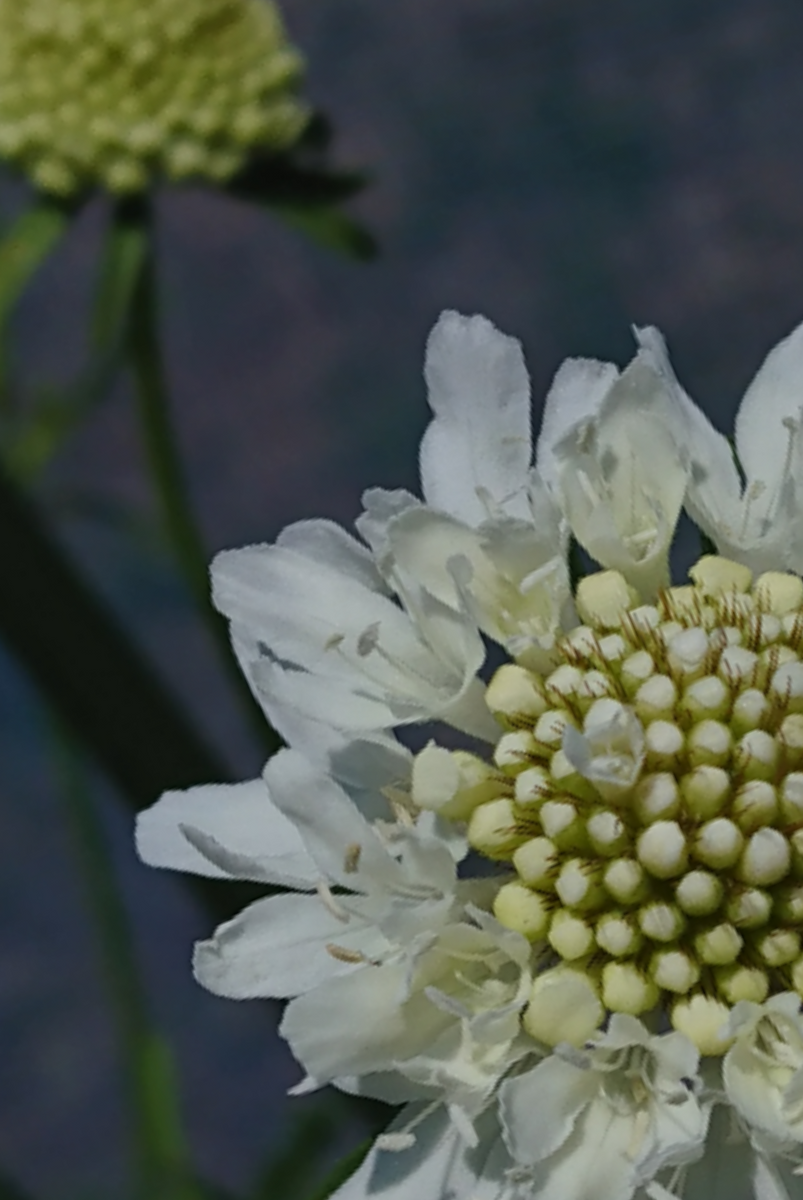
649	794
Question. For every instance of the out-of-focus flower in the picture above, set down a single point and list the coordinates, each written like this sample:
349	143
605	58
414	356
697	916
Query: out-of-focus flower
116	93
575	1023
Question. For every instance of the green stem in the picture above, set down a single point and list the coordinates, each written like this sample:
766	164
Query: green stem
23	249
163	1168
168	476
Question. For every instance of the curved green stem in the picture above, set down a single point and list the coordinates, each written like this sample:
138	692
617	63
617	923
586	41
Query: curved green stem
163	1167
168	476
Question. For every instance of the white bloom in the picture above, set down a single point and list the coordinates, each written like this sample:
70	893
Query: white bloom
759	524
641	802
610	451
602	1122
763	1073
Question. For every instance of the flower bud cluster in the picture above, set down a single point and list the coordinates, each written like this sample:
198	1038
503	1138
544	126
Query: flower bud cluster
649	795
111	93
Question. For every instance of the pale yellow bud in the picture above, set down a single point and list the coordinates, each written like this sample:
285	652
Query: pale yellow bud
493	829
656	797
515	751
664	743
532	787
661	849
718	945
705	791
563	684
563	823
709	743
570	935
564	1007
703	1020
737	982
607	832
674	970
618	934
718	843
790	739
750	710
716	576
602	599
524	911
452	783
706	697
549	731
755	804
636	670
536	863
756	755
515	696
661	922
778	946
738	667
626	989
766	858
579	885
699	893
750	908
687	653
656	698
566	778
787	685
788	903
778	592
626	880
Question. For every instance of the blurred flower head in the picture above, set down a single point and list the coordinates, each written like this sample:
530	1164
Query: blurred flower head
118	93
620	958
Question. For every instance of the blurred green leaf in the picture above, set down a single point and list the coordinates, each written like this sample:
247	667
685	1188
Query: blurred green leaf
293	1170
24	247
302	191
10	1190
40	432
95	680
163	1168
344	1169
330	228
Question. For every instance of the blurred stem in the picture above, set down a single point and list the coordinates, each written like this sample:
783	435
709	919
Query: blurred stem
163	1169
153	401
25	246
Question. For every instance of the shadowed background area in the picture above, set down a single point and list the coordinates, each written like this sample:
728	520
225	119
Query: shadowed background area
565	168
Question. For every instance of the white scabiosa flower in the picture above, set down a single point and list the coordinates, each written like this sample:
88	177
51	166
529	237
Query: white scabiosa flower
607	1007
757	522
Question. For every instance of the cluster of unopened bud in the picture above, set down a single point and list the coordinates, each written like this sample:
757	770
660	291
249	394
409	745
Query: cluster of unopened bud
648	794
113	93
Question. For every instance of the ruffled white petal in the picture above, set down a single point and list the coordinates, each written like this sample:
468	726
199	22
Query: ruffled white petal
225	831
436	1165
342	843
539	1108
283	946
575	397
773	398
476	453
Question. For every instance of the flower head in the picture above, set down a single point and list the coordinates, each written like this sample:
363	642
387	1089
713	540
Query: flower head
575	1018
112	93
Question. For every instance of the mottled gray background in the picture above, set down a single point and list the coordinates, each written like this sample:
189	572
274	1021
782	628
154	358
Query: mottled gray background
563	166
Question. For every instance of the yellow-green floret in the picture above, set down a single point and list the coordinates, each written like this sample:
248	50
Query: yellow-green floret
648	795
113	93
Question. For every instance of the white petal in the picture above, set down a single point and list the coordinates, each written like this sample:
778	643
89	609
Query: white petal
328	543
539	1108
576	395
476	453
380	507
360	1023
241	833
278	947
622	478
767	1182
437	1166
593	1163
713	495
774	394
339	839
751	1091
